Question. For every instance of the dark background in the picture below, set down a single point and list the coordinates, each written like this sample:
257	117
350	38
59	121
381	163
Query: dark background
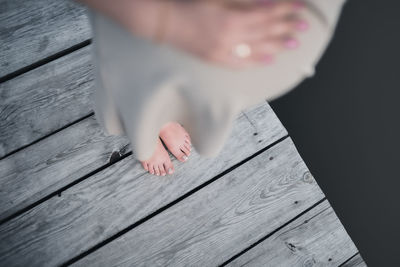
345	122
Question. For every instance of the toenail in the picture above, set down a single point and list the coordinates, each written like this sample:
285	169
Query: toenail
185	158
170	171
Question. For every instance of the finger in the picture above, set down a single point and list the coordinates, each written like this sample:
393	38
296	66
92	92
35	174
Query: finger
266	47
265	51
282	27
232	61
282	9
259	13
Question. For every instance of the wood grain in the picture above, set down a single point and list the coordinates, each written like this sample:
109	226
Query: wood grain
44	100
221	219
31	30
39	170
356	261
315	239
104	204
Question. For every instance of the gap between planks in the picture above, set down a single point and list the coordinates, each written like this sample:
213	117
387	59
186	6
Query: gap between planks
34	30
242	139
29	177
220	220
314	238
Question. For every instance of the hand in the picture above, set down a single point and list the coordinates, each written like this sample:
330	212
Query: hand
212	29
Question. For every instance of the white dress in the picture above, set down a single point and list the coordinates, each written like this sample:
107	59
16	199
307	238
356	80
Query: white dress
141	85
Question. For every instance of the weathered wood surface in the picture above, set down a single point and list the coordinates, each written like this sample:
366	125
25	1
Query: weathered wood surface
103	204
221	219
45	99
317	238
31	30
58	160
357	261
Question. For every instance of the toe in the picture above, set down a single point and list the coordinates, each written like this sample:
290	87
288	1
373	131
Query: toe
186	151
187	139
151	168
187	147
162	170
169	167
183	158
178	154
157	170
144	164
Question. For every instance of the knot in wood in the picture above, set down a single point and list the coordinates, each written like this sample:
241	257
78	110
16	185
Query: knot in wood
307	177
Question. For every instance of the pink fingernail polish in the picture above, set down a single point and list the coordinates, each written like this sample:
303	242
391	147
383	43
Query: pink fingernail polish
298	5
268	59
291	43
302	25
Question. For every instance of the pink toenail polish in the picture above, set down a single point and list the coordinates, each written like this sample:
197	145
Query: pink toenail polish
302	25
298	5
291	43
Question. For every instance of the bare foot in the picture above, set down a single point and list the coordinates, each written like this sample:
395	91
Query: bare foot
159	163
177	140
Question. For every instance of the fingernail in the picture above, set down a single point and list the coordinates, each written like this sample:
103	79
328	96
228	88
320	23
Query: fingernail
268	59
291	43
298	5
302	25
170	171
185	158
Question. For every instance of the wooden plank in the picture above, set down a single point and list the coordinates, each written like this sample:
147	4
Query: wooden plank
317	238
104	204
44	100
356	261
35	29
58	160
220	220
39	170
